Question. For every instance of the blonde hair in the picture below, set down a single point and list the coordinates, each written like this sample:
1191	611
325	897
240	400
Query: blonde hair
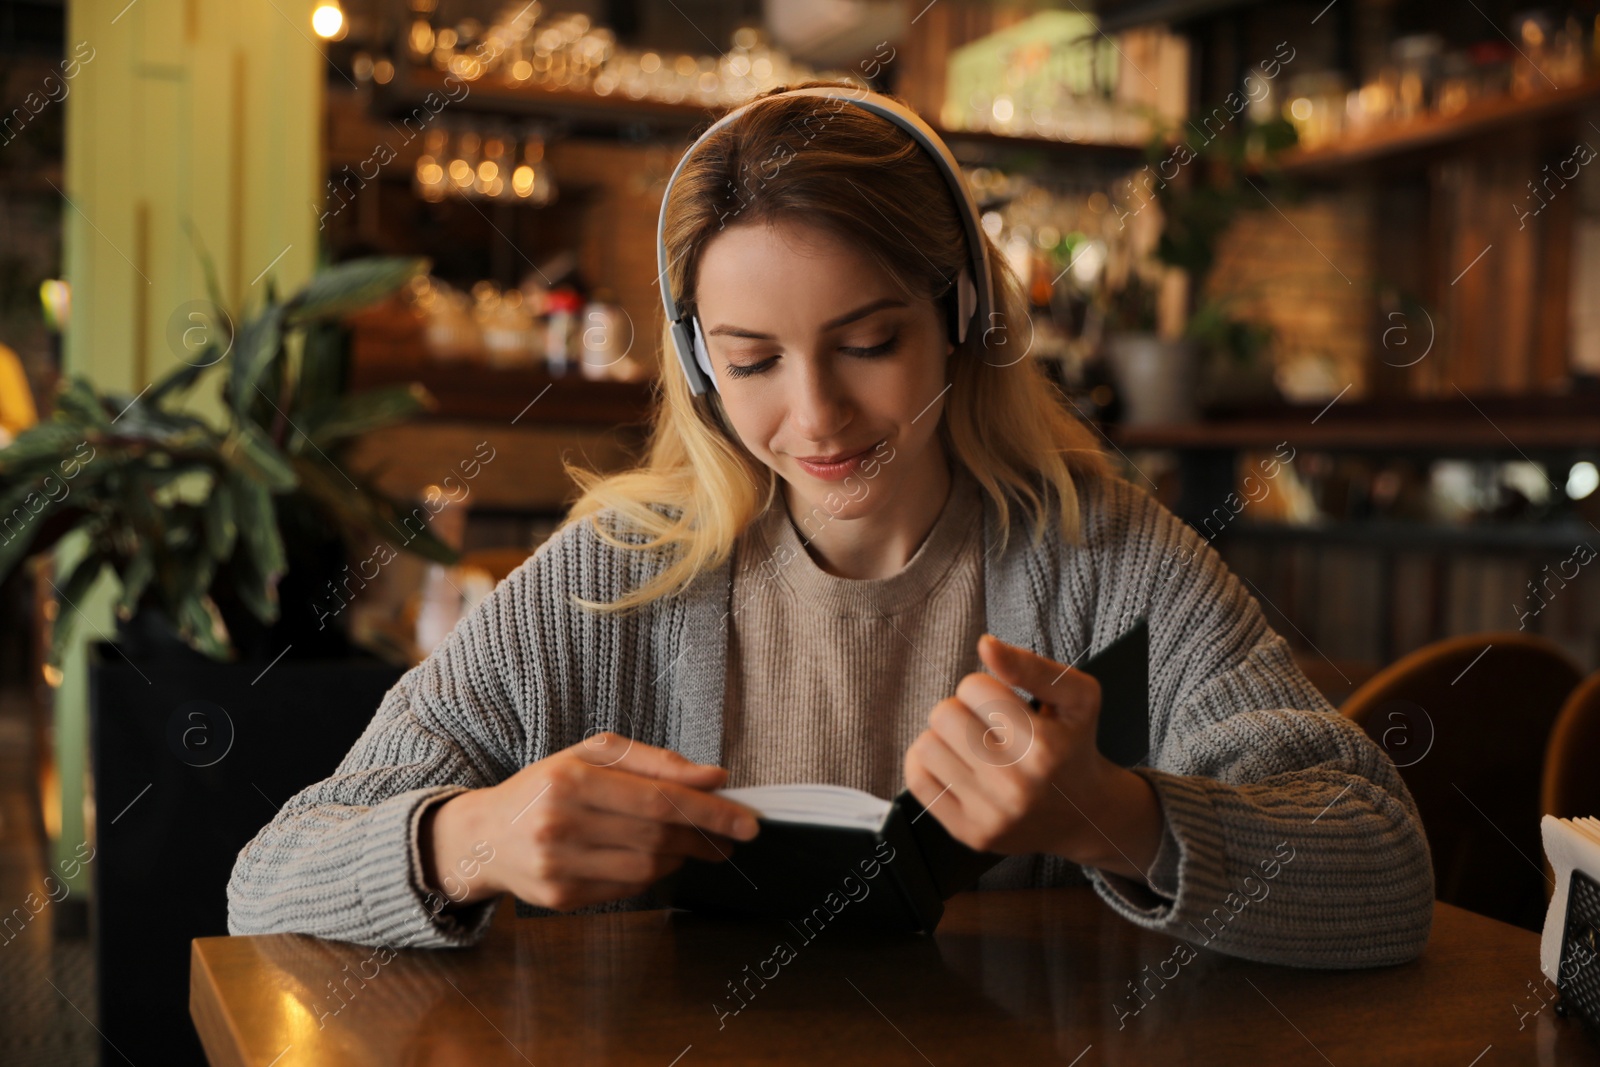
698	488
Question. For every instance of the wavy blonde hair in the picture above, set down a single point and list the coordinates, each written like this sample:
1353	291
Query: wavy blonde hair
698	488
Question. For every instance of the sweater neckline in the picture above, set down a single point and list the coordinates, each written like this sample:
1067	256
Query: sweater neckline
834	596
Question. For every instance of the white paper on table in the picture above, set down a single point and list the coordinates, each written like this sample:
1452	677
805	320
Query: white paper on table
1568	844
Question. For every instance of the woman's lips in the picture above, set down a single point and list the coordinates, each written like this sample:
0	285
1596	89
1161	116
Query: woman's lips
833	472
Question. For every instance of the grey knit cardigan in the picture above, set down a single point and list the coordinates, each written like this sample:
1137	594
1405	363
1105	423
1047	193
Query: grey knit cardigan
1296	840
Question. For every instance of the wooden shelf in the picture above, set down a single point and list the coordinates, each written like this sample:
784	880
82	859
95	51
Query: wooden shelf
586	113
583	111
969	146
387	348
1400	139
526	395
1497	425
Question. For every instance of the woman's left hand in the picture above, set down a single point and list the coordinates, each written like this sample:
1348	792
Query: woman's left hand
1004	778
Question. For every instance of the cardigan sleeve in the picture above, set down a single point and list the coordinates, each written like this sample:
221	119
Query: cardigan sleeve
1297	842
340	859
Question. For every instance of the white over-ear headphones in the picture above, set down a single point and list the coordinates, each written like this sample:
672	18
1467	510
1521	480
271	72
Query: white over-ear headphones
974	285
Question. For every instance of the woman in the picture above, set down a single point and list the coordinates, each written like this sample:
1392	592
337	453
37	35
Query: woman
748	607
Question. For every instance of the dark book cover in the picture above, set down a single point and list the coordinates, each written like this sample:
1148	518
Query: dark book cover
898	876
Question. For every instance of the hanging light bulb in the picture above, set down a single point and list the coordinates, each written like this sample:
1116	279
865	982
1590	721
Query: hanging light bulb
328	20
522	180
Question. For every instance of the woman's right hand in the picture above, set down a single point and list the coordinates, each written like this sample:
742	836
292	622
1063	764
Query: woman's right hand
600	820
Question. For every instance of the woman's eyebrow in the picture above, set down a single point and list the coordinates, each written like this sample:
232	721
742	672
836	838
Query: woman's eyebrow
832	324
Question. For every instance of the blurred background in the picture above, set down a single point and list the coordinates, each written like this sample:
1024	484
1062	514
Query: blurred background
303	303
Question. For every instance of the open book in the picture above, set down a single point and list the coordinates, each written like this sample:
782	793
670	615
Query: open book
829	853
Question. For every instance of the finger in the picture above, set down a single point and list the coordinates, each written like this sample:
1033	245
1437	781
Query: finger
945	765
1058	686
626	793
996	733
933	794
627	866
606	830
610	749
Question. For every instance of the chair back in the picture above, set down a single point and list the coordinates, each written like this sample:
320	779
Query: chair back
1572	759
1466	721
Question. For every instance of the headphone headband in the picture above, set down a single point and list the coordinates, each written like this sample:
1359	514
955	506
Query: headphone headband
974	288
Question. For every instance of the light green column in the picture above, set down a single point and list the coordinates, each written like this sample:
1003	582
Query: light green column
202	112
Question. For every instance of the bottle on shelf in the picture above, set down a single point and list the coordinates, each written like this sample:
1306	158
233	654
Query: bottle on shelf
563	325
605	336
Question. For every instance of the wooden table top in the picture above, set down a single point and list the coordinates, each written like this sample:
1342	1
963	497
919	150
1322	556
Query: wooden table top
1030	975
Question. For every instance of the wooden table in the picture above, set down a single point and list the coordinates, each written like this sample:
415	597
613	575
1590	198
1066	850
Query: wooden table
1010	977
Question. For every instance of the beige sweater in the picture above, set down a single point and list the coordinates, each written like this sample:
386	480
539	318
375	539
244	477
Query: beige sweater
831	679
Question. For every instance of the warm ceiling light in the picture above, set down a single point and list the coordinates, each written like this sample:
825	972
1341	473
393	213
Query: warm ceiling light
328	20
1582	480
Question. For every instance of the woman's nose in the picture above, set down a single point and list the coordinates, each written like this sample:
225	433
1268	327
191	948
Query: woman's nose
819	405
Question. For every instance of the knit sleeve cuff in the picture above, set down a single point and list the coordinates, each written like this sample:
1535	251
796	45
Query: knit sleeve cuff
389	878
1191	848
1163	873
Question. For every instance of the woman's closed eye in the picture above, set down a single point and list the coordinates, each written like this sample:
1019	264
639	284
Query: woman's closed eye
871	351
860	351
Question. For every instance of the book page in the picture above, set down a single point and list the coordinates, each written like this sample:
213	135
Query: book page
818	805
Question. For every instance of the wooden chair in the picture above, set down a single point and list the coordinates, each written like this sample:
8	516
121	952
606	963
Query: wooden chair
1466	721
1572	760
1571	780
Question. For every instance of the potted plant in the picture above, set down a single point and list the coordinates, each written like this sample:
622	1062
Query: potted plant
1154	375
1199	191
1234	358
1236	367
200	522
222	695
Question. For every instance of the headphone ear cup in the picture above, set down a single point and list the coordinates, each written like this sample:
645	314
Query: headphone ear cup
966	304
701	356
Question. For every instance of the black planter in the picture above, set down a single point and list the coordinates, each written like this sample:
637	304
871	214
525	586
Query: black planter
190	759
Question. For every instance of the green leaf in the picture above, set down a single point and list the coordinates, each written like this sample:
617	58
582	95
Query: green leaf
373	409
21	517
352	285
140	422
19	523
135	579
195	572
251	452
180	379
41	444
31	529
137	492
208	267
258	530
322	373
221	529
200	625
259	344
78	399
